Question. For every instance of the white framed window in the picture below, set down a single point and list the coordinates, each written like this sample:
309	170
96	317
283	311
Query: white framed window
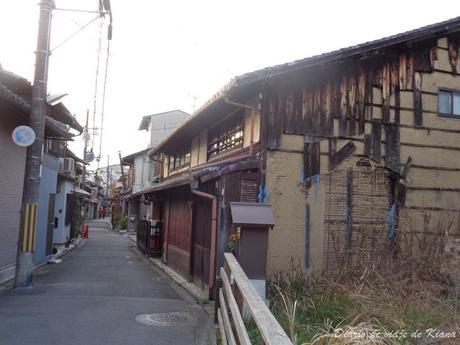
449	103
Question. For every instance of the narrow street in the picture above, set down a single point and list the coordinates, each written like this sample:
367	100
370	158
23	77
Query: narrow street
97	295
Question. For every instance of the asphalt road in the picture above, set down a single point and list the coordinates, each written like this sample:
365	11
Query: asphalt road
94	297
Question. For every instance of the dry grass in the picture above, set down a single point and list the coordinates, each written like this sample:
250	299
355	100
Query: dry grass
412	285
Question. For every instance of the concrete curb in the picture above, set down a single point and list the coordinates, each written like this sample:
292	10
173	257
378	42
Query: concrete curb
78	243
199	296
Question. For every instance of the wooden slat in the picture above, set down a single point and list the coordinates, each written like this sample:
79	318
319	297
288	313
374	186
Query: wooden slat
402	71
315	158
269	328
422	60
330	109
322	111
343	153
332	151
351	106
376	140
361	100
307	171
308	109
316	112
407	167
298	111
401	195
227	324
343	107
453	45
418	107
367	145
397	106
236	315
307	236
223	337
349	209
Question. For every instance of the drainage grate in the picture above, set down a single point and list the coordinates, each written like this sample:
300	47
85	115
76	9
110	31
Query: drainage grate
165	319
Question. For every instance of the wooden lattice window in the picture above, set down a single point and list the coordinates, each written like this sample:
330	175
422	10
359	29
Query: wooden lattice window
179	160
227	136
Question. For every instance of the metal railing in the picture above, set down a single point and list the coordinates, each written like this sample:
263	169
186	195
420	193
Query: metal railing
237	291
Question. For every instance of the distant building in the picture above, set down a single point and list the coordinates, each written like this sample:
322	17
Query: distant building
162	124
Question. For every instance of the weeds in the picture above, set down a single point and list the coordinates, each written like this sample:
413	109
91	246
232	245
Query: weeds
380	298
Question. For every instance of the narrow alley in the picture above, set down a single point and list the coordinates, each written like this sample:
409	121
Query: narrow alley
85	299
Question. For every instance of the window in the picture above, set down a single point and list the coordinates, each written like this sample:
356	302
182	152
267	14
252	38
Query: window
226	136
178	160
449	103
54	147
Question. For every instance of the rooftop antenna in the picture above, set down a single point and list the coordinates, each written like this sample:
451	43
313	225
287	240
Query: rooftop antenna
194	101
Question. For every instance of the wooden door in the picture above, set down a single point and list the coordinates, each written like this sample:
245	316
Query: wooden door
201	239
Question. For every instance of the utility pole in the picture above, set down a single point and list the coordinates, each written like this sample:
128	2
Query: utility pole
30	195
123	181
86	138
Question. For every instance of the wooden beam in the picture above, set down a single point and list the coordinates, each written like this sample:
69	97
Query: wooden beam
223	337
407	167
367	144
418	106
332	149
343	153
227	324
349	210
376	140
236	316
270	329
307	236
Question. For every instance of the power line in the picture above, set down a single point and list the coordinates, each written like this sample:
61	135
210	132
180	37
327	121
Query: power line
96	82
103	97
75	33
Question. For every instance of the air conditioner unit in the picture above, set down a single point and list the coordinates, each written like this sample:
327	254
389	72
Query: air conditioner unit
67	166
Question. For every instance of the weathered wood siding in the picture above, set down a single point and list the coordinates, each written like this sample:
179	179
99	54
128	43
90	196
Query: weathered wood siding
387	106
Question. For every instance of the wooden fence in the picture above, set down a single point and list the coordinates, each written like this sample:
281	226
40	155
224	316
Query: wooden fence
237	291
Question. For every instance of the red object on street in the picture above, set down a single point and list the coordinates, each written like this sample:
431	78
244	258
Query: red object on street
85	232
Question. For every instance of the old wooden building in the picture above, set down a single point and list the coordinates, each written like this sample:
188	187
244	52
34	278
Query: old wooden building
338	144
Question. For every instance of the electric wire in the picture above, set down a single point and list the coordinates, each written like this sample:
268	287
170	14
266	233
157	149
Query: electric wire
103	98
75	33
96	83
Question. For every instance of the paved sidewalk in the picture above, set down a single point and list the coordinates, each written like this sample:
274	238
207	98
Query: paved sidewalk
95	296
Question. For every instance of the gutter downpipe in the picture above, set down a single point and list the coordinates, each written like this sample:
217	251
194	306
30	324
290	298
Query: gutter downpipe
212	265
212	268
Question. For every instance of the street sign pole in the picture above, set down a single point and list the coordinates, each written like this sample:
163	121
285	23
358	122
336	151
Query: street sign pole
30	195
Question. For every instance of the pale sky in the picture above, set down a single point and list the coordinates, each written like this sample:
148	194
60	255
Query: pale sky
164	53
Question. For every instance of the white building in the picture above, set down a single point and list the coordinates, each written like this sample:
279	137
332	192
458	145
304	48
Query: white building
162	124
